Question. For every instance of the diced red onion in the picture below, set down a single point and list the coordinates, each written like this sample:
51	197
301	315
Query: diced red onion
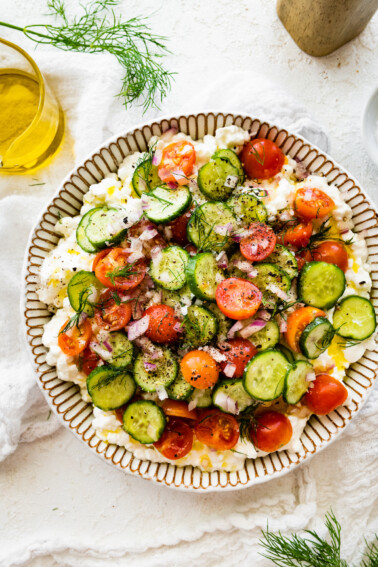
156	253
254	248
138	328
227	403
192	405
344	231
168	134
149	366
278	291
142	186
244	266
178	327
263	314
108	346
310	376
252	328
253	273
145	202
236	327
223	229
179	175
148	234
171	185
222	260
161	392
264	243
283	325
98	349
285	216
155	355
229	370
157	157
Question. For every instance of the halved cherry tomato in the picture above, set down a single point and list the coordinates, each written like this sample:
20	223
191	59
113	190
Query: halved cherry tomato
99	256
199	369
116	262
312	203
325	395
273	431
240	353
109	315
76	339
259	243
262	158
177	162
298	235
163	324
178	228
331	252
217	430
176	441
301	260
89	361
175	408
238	298
297	322
119	413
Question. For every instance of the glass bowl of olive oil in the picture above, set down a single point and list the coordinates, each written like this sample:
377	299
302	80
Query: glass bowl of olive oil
31	120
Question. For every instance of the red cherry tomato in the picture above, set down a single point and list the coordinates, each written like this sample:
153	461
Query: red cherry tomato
175	408
297	322
326	394
178	228
199	369
162	325
262	158
240	353
89	361
76	339
109	315
259	243
114	270
331	252
99	256
176	441
177	162
312	203
218	430
238	298
298	235
273	431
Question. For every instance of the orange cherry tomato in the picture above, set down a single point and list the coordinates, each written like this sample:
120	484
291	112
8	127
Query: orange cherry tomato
76	339
199	369
176	441
238	298
175	408
262	158
178	228
119	413
163	324
273	431
331	252
177	162
109	315
116	260
88	361
325	395
218	430
259	243
99	256
312	203
240	353
297	322
298	235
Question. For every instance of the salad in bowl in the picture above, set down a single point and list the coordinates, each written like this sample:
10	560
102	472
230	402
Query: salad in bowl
208	300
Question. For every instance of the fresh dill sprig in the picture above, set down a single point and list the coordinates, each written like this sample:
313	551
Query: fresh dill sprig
122	272
248	423
370	557
97	30
322	235
84	303
348	343
207	237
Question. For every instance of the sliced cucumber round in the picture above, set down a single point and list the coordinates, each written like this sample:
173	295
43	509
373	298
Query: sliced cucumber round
144	421
264	375
202	225
231	397
182	297
321	284
316	337
81	237
201	326
296	384
217	179
165	372
354	318
203	275
109	388
83	290
282	257
104	227
233	158
165	205
122	350
270	276
180	389
286	352
168	268
145	177
267	337
202	398
248	208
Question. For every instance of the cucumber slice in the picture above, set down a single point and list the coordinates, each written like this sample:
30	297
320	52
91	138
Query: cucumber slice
202	398
144	421
270	275
166	204
321	284
203	275
248	208
316	337
267	337
286	352
296	384
83	290
145	177
122	350
81	237
164	374
180	389
110	389
233	158
264	375
103	228
217	179
284	259
168	268
182	297
224	324
201	326
354	317
201	226
231	391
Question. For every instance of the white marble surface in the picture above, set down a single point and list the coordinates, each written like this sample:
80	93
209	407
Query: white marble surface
54	489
